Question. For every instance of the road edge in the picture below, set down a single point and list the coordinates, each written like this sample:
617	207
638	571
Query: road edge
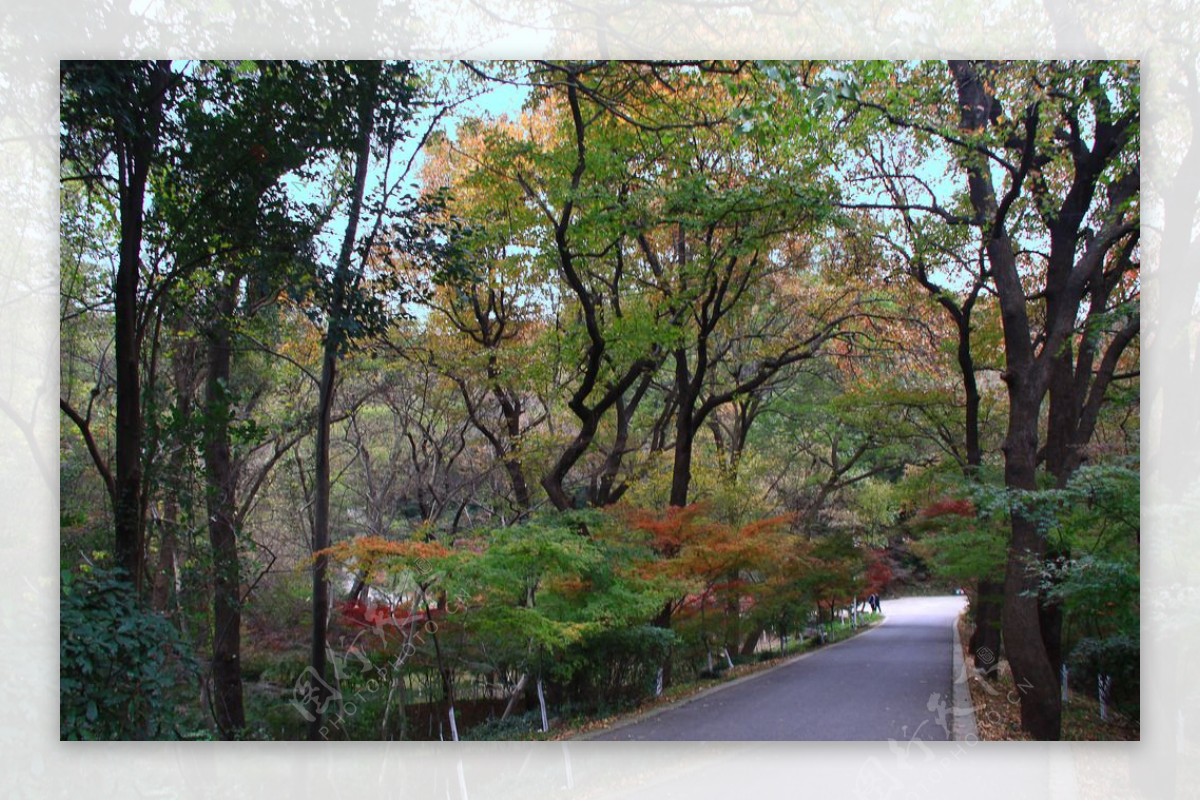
963	726
643	716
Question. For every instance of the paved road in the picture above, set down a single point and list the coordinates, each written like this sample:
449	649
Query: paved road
893	682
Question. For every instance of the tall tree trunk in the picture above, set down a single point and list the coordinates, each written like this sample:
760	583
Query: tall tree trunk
135	149
1035	677
985	644
339	315
1026	379
687	384
512	410
681	475
221	500
985	641
966	366
164	579
320	586
186	377
1063	456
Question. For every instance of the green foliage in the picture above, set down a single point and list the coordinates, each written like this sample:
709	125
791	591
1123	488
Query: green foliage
1118	657
546	585
614	667
1097	509
122	668
837	569
965	553
1096	517
833	85
639	243
1103	593
282	602
877	505
514	727
963	548
1097	513
1100	510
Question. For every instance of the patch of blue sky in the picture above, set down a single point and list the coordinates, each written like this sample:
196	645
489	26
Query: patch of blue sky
454	98
931	181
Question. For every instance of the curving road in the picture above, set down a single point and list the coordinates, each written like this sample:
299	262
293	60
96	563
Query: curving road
893	682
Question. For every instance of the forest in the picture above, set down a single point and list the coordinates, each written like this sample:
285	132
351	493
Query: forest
463	400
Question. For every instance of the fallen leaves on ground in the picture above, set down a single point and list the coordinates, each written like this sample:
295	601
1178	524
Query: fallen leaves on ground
998	707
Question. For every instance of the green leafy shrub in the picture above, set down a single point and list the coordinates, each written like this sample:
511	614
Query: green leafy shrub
1117	657
121	666
616	667
514	727
1101	592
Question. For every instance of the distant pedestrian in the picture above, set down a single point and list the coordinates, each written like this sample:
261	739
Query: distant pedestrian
873	602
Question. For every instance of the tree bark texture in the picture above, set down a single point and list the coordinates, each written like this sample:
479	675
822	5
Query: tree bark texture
221	501
335	339
1032	672
136	145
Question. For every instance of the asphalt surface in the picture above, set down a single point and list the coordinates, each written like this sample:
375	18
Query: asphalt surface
893	682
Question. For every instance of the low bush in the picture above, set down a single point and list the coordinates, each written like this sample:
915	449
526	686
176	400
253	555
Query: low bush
514	727
122	667
1118	657
615	668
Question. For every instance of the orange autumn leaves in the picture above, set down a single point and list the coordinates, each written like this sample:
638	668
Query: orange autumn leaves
700	557
689	543
683	557
376	556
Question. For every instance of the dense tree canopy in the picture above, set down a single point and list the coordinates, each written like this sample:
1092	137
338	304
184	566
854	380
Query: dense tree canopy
483	418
